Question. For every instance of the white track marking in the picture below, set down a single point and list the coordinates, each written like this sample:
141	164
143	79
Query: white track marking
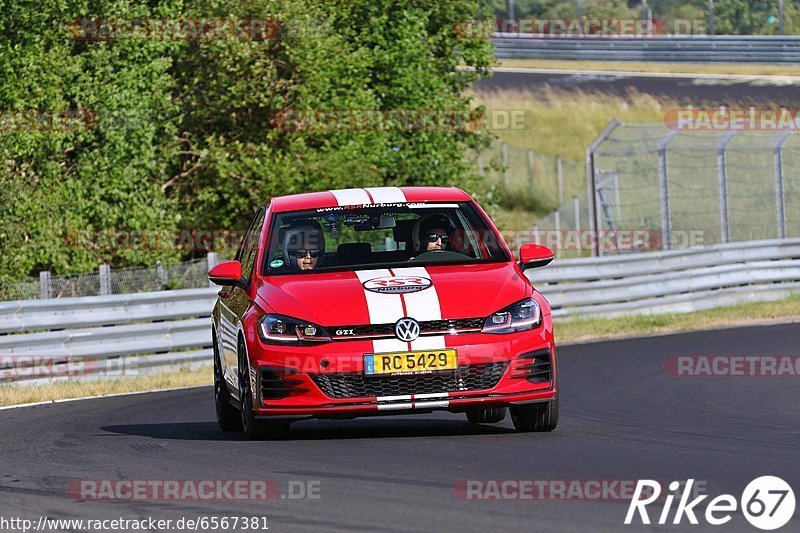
115	395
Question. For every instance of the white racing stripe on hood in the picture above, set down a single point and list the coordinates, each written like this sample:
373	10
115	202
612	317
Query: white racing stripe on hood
351	196
385	195
422	306
384	308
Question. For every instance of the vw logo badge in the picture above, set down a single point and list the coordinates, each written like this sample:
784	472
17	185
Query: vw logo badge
406	329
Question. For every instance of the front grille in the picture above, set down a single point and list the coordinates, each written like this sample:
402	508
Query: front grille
427	327
465	378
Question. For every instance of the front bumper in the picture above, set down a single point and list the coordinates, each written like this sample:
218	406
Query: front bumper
294	382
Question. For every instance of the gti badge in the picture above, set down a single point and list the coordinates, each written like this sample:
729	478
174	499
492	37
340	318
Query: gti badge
406	329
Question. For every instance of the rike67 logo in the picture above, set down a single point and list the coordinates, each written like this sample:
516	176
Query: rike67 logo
767	502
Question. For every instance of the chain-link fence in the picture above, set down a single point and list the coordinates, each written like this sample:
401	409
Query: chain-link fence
186	275
529	179
657	188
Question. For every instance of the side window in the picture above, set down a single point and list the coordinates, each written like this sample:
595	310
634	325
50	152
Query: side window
249	249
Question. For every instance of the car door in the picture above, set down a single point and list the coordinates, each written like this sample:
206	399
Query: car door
235	301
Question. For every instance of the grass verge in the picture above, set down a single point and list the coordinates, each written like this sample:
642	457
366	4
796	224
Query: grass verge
565	123
667	68
62	390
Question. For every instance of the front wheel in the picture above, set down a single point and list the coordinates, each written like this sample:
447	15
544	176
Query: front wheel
227	415
535	417
253	428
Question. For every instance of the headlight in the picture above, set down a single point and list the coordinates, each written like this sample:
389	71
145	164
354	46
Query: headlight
521	316
279	329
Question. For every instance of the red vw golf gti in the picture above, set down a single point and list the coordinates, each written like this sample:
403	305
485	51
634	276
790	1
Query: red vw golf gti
379	301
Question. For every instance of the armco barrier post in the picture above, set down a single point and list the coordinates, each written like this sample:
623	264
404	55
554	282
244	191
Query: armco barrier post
780	201
105	279
44	285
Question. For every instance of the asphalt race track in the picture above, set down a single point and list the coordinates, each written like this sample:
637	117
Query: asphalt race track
623	418
697	89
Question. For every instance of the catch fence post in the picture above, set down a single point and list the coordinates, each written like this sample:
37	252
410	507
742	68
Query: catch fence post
722	179
780	199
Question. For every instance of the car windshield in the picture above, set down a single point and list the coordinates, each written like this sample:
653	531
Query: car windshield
379	236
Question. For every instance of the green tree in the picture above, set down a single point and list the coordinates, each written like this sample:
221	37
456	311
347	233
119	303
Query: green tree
332	56
64	178
184	132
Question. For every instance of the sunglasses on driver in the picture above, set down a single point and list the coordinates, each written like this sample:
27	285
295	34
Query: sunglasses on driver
300	253
433	237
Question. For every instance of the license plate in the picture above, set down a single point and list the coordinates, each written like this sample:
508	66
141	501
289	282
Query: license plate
410	362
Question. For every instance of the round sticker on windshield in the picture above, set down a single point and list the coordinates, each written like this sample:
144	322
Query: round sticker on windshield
398	284
276	264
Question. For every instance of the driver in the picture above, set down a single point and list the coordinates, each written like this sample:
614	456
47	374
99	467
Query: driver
434	233
304	245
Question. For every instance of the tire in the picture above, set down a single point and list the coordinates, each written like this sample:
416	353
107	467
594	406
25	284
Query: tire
535	417
253	428
228	416
486	415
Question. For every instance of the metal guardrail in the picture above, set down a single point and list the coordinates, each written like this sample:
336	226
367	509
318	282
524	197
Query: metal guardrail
93	311
700	49
155	331
672	281
117	335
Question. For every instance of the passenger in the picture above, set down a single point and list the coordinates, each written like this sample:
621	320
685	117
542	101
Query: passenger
304	245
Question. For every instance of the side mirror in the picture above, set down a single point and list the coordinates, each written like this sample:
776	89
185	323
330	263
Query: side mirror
534	255
227	273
